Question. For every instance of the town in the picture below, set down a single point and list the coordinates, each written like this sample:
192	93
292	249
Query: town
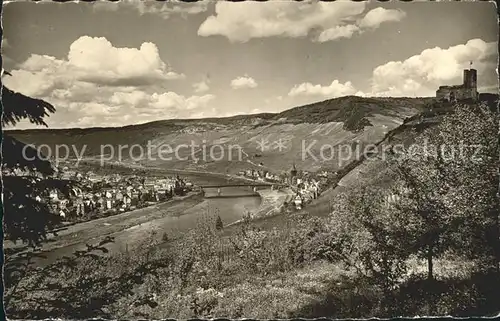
94	195
305	186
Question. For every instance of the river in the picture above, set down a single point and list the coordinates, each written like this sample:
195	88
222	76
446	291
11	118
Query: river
231	209
134	228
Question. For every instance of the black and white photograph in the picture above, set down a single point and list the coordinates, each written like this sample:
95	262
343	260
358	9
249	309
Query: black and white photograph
252	159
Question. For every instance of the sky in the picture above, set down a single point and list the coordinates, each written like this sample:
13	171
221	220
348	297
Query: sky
113	64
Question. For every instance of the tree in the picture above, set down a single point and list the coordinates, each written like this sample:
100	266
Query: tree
26	175
450	185
473	179
424	201
369	236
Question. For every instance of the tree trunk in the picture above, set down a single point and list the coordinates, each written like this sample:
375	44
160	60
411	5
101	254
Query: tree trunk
430	263
430	281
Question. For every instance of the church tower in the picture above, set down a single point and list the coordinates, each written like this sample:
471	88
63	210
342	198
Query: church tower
293	171
292	179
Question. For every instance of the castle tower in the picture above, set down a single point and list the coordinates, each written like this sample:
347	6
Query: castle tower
466	78
470	78
468	90
473	78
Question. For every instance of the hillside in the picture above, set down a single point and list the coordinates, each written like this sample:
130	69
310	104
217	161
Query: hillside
327	126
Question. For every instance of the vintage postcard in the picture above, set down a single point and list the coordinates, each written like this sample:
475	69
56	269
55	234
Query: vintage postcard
279	159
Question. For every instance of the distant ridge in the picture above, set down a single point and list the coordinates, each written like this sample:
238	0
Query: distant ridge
345	121
322	111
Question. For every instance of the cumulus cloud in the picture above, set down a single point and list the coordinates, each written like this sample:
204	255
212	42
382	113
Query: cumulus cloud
98	86
419	75
96	60
375	17
168	104
201	86
171	100
325	21
337	32
95	109
243	82
335	89
163	9
422	74
83	104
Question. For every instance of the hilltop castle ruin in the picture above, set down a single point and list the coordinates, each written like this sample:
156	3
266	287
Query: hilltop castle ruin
468	90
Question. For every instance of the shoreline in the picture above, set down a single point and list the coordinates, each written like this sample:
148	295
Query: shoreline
177	171
78	227
272	201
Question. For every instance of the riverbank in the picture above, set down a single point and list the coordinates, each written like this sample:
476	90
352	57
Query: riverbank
173	217
75	236
272	201
151	169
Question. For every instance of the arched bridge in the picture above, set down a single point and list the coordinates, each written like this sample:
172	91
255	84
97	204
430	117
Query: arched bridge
239	185
220	193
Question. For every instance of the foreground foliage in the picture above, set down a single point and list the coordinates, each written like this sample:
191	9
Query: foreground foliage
27	175
300	271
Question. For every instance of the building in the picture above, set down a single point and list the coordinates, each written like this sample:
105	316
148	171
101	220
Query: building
467	90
